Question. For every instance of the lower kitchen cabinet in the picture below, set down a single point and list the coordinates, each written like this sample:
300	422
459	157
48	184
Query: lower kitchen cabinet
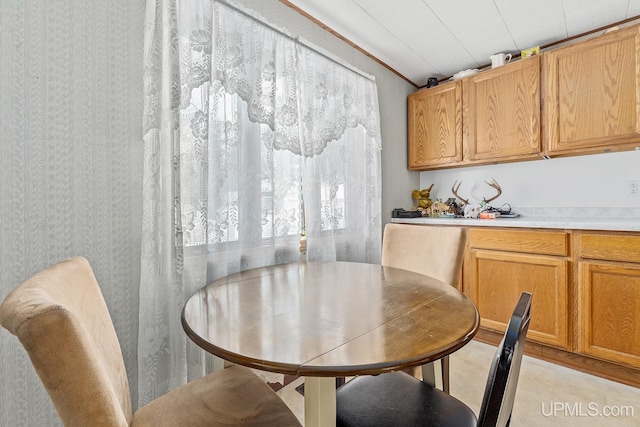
609	297
503	263
585	310
500	277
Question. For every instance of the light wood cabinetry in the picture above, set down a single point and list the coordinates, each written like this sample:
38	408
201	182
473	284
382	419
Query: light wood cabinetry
488	117
579	99
585	310
435	126
503	263
501	118
592	94
609	297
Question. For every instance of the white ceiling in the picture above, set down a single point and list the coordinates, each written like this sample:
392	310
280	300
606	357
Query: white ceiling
423	38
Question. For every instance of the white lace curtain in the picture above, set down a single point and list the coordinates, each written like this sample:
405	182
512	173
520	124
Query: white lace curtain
250	138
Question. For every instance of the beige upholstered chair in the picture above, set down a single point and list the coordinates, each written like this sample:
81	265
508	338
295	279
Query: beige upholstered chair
62	320
433	251
430	250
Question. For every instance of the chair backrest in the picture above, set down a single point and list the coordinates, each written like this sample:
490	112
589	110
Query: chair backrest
500	391
430	250
61	319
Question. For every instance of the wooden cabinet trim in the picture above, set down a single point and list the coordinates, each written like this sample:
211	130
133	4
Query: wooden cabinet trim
524	241
619	247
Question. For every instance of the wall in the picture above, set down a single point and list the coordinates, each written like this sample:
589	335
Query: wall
596	180
392	95
70	170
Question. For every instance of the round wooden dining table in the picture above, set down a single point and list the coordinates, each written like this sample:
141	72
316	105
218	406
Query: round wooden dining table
329	319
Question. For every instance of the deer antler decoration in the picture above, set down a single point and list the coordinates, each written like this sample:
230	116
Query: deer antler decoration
493	184
455	192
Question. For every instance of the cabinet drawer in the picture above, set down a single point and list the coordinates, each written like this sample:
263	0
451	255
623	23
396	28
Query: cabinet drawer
611	247
531	242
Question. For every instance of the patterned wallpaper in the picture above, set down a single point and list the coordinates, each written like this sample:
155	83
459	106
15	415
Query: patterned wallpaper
70	169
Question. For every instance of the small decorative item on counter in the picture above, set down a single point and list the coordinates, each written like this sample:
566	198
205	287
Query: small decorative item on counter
422	197
489	215
530	52
454	189
474	210
402	213
455	209
438	208
503	211
493	184
448	209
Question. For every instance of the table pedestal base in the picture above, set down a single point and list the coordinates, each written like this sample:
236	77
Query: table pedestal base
432	374
319	401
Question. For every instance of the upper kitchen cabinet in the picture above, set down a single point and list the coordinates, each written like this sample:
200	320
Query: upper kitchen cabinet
592	94
502	113
435	127
492	116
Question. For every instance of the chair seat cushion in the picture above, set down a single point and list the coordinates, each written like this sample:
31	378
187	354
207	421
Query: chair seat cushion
233	396
398	399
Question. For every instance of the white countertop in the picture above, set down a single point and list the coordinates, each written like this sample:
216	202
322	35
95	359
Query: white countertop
572	219
561	222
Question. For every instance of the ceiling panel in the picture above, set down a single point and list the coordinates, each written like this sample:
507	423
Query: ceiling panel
367	4
633	9
533	22
387	46
585	15
422	38
477	25
353	22
424	33
322	11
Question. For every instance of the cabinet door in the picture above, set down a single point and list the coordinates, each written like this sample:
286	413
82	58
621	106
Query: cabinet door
498	278
502	112
592	94
609	311
435	126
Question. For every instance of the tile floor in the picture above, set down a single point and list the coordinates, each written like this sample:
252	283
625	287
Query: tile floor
548	395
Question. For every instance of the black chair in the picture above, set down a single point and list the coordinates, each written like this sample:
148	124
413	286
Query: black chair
398	399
